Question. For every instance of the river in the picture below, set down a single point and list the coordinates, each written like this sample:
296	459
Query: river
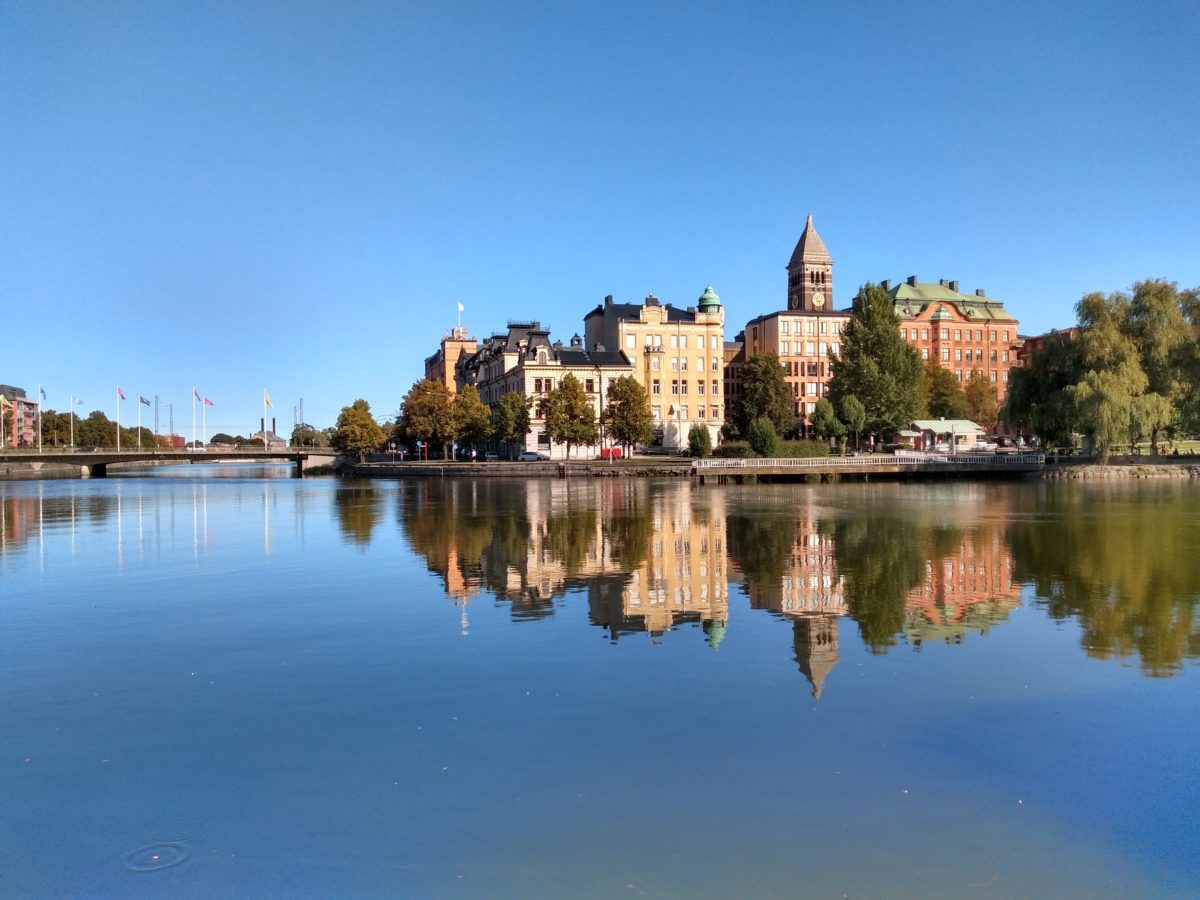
224	682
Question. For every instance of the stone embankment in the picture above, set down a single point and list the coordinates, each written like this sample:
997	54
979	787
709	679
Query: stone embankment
549	469
1122	471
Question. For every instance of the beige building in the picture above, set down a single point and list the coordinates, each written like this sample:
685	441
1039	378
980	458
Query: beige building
678	356
524	361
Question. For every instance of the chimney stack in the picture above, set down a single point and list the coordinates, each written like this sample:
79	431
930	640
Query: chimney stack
979	292
912	280
886	284
954	286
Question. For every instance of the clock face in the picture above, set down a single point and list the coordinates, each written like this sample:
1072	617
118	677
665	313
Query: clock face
818	300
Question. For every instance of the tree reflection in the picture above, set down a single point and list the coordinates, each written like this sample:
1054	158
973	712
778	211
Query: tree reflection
358	506
1122	560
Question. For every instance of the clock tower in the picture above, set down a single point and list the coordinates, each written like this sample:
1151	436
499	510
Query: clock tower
810	273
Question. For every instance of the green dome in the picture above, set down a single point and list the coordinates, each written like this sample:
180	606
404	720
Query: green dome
714	629
709	301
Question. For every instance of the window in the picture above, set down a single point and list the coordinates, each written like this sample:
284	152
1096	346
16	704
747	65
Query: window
674	364
699	363
655	387
945	354
993	356
714	412
785	349
993	376
683	387
945	334
713	342
700	386
812	326
700	412
992	336
836	328
1006	376
683	364
979	355
958	334
810	388
630	341
783	326
714	386
683	342
675	386
1006	356
958	374
824	328
835	349
904	333
979	335
656	412
810	349
824	349
654	363
958	356
683	413
716	364
1006	337
924	334
924	353
674	342
589	385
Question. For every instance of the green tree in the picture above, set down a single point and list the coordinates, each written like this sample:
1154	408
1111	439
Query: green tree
569	417
97	430
983	404
854	415
510	421
825	422
699	440
472	420
944	396
357	431
1038	402
222	438
764	394
876	365
1157	322
306	436
626	417
763	438
426	414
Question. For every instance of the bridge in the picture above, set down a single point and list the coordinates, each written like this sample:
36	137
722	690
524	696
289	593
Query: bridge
94	464
904	463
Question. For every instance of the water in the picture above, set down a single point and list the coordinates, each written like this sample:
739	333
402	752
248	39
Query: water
260	686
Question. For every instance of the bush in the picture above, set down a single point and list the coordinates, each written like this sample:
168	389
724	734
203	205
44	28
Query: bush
803	449
734	450
699	441
764	439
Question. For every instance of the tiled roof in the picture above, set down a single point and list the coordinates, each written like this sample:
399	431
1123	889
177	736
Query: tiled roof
580	358
632	312
810	247
912	299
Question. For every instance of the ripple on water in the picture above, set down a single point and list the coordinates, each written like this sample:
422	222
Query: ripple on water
173	831
154	857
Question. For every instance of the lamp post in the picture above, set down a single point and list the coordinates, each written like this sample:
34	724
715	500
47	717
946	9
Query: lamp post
72	400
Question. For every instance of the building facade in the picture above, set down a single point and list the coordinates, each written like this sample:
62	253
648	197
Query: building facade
20	417
678	356
965	333
524	361
443	365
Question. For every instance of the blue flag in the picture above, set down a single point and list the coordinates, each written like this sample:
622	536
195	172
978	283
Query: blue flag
142	400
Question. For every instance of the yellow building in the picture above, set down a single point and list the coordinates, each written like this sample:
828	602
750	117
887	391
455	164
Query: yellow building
678	357
441	367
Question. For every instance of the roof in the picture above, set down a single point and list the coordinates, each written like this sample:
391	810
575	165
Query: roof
810	247
913	299
579	358
948	426
633	312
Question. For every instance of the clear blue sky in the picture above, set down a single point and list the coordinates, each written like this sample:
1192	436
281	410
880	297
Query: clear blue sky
296	195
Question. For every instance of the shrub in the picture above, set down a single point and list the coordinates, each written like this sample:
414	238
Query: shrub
699	441
764	439
803	449
734	450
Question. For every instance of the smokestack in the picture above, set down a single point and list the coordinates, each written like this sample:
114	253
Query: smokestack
273	431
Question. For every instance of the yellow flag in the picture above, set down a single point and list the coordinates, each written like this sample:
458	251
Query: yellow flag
4	401
267	399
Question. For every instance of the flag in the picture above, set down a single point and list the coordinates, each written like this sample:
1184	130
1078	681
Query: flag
43	395
460	307
4	401
208	402
267	399
195	393
142	400
120	393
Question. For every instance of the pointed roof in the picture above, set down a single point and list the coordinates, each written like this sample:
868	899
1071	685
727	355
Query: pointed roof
810	247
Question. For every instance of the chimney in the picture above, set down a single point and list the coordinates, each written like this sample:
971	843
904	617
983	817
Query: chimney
599	348
912	280
273	431
941	282
608	301
954	286
651	300
886	284
979	292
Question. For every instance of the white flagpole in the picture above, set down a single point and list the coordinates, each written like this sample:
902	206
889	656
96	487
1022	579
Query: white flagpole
139	421
40	401
204	421
118	418
193	415
264	419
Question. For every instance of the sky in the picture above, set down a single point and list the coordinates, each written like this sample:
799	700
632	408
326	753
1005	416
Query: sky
296	196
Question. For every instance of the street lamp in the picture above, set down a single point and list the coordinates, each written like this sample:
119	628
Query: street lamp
71	415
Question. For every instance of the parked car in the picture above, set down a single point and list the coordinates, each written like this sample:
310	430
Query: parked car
491	457
532	457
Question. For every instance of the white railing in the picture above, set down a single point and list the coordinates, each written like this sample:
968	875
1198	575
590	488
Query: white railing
901	457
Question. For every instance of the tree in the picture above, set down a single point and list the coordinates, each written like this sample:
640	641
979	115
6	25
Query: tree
222	438
627	417
944	396
876	365
426	414
97	430
472	420
763	438
306	436
1037	400
357	431
765	394
699	440
1158	324
983	404
510	421
825	422
854	414
569	417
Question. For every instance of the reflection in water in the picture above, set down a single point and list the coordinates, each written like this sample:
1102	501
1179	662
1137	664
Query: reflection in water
652	557
358	508
1122	559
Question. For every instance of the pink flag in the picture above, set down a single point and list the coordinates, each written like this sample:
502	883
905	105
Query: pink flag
120	393
208	402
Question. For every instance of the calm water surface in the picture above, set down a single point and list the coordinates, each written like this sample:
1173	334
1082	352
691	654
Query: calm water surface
220	682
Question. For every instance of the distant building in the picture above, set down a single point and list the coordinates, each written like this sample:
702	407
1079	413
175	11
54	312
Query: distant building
441	367
678	356
524	361
1033	344
965	333
20	416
